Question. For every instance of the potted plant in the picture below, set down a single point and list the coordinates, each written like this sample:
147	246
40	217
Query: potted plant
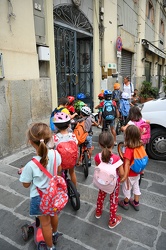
148	92
164	85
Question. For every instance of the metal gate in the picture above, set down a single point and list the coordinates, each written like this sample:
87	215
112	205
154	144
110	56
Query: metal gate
73	64
126	63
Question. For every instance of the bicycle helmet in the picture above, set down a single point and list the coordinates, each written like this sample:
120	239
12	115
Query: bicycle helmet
61	117
71	99
101	96
81	96
116	86
86	110
125	95
107	94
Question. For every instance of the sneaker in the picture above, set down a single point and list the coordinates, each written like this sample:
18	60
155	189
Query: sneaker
136	207
55	237
98	215
116	222
115	143
122	204
50	248
99	126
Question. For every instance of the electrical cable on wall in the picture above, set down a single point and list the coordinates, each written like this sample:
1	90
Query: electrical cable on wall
10	13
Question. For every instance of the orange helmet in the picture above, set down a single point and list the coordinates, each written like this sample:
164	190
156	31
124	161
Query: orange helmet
117	85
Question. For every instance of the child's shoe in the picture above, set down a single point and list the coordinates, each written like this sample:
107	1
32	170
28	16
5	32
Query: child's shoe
55	237
51	248
116	222
122	204
98	215
136	207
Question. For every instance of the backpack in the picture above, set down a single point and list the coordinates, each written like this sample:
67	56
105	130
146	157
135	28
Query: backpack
55	197
145	130
105	176
67	148
116	95
56	110
140	160
124	107
80	132
108	111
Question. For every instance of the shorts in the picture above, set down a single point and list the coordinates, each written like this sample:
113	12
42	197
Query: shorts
111	123
133	186
89	140
35	206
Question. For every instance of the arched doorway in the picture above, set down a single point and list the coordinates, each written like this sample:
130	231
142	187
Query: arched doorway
73	48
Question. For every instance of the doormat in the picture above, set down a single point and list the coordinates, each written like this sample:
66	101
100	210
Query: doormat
22	161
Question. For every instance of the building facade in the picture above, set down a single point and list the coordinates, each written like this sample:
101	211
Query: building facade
50	49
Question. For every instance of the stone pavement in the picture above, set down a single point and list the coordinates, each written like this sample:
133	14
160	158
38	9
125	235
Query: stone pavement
141	230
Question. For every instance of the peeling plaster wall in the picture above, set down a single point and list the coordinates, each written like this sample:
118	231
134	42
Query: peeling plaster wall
22	103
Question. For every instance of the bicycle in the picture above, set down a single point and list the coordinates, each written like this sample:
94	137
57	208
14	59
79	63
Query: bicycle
121	151
73	194
85	158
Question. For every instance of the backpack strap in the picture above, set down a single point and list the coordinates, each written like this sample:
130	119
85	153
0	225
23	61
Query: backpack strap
116	164
43	169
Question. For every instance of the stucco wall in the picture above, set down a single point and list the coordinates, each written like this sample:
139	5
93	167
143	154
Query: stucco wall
21	103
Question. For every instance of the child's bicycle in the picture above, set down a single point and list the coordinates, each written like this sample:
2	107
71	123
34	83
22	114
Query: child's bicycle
85	158
73	194
121	121
121	150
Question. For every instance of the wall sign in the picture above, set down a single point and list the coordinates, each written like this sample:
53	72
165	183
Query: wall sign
119	43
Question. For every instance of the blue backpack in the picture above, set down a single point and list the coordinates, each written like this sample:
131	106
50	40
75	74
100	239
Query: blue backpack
140	160
108	111
124	107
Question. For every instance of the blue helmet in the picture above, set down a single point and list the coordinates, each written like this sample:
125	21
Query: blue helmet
81	96
107	94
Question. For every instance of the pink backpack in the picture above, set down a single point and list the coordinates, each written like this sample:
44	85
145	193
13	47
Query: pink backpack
67	148
55	197
105	176
145	130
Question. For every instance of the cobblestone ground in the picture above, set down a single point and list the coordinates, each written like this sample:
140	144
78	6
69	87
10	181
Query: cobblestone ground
145	229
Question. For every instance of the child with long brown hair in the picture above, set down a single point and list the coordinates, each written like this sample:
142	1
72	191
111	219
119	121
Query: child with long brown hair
106	142
131	179
38	135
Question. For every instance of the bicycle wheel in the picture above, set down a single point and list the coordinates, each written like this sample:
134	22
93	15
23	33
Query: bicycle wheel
25	234
73	195
85	164
118	128
121	149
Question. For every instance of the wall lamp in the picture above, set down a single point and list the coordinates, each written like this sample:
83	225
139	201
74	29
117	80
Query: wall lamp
120	25
143	59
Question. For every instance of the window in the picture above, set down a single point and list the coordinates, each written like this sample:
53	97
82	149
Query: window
162	27
150	11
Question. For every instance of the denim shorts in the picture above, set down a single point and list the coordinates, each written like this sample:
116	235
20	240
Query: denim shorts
35	206
89	140
111	123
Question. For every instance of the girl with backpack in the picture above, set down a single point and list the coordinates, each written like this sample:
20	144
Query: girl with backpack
134	153
38	135
106	142
66	144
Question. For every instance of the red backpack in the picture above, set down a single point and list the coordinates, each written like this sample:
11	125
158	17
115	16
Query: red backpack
55	197
67	148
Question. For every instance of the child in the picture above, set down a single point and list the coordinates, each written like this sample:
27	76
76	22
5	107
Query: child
114	113
124	106
130	178
79	103
63	104
134	117
39	134
106	142
116	94
70	105
62	122
135	97
100	108
89	121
